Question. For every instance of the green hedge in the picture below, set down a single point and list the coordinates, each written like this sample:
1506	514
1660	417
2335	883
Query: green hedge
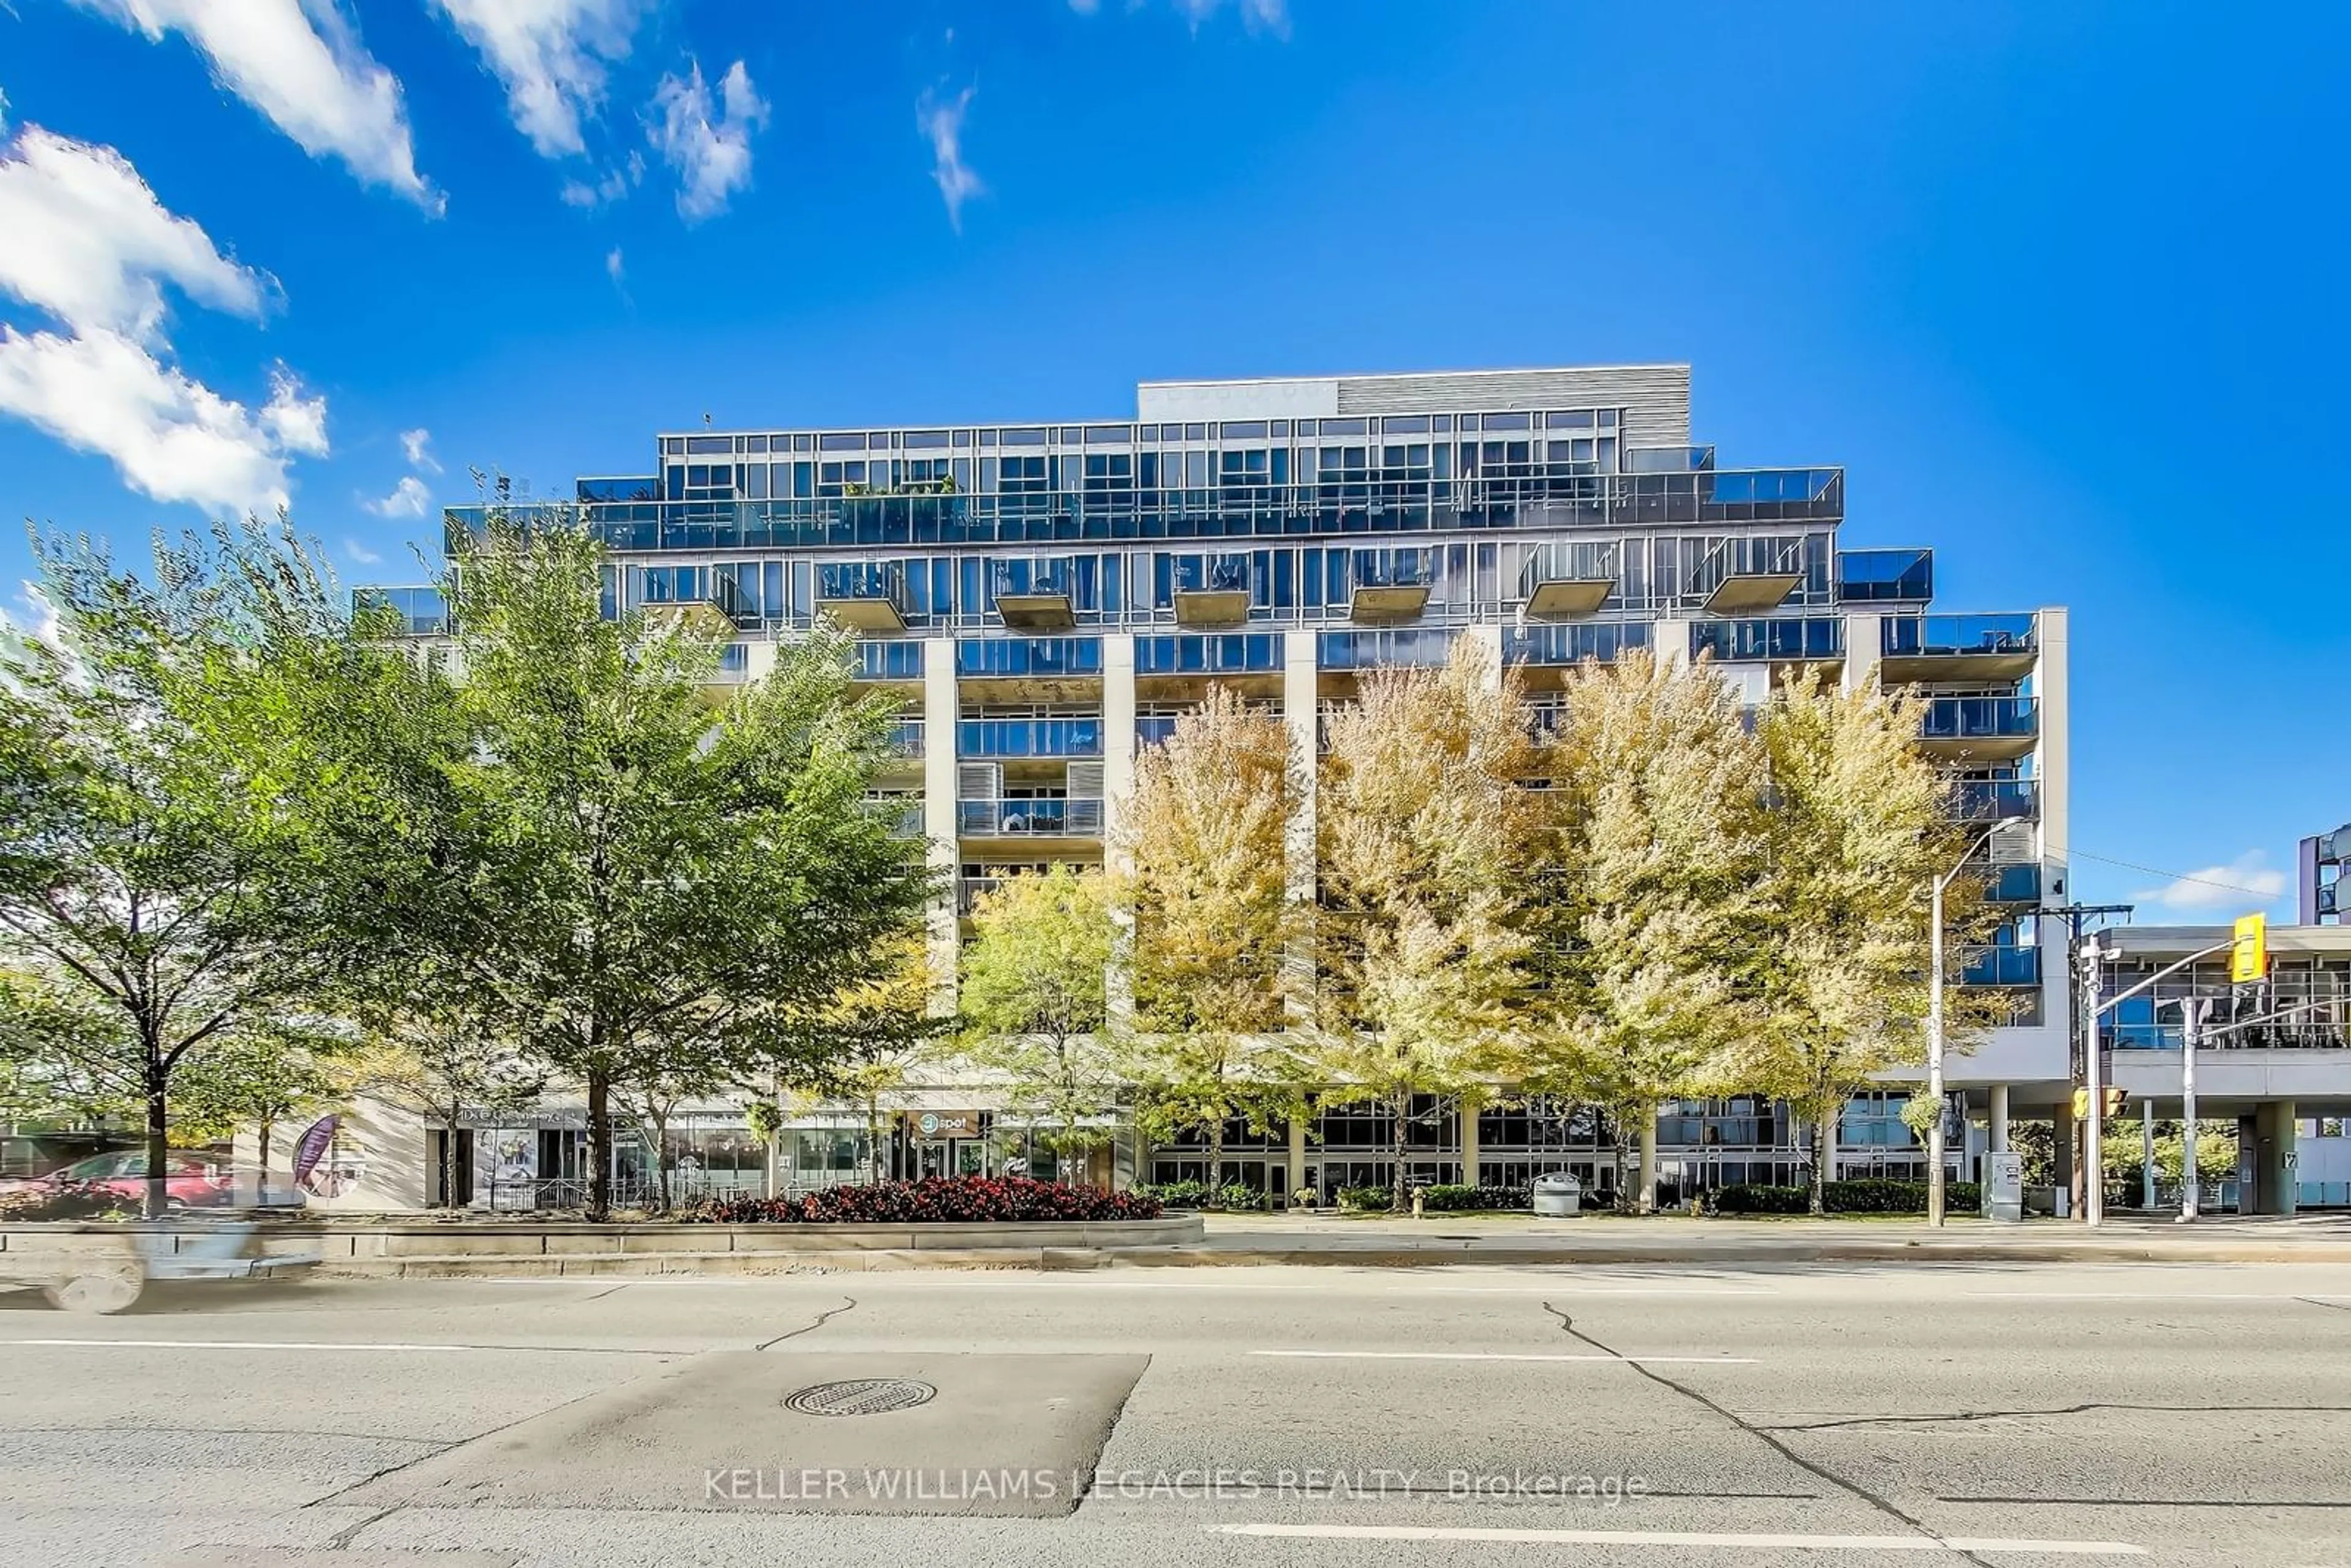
1862	1195
1197	1194
1366	1200
1446	1198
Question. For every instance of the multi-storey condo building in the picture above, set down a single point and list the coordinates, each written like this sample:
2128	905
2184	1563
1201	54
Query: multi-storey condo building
1048	597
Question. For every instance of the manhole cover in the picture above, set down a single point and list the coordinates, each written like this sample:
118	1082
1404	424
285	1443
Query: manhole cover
861	1397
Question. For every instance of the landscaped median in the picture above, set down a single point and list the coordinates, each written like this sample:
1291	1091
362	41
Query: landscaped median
967	1223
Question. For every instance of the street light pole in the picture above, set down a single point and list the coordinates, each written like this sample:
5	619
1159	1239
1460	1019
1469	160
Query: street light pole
2191	1033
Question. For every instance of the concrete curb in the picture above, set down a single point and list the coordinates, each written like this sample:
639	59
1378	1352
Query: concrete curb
717	1265
1817	1252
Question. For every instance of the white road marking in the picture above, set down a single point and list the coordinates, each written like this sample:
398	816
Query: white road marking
246	1345
1501	1356
1685	1538
2155	1295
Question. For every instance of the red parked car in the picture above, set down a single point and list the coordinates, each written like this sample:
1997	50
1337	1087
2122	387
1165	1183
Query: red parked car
192	1179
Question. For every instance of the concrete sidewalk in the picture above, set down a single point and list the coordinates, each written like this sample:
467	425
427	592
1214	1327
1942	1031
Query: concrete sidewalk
1513	1240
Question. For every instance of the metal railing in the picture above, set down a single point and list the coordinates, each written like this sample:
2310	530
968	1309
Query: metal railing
1777	637
985	738
1980	718
1078	818
1919	636
1993	799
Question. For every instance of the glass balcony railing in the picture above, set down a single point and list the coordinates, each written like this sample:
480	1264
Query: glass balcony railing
1032	656
1395	567
1231	653
1378	650
1604	641
2013	884
1212	573
1546	496
1954	636
1154	728
864	592
906	737
888	661
2001	967
1780	637
1993	799
1980	718
1886	576
422	611
1031	578
979	739
1063	819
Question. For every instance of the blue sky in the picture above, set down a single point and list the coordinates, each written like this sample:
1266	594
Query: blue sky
2060	286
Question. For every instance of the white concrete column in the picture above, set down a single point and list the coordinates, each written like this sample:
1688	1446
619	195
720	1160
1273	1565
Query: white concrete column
2052	766
2147	1154
939	809
1863	645
1118	793
759	660
1999	1093
1491	638
1299	695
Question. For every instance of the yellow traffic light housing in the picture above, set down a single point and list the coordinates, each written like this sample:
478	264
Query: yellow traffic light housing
2249	950
2116	1101
2081	1105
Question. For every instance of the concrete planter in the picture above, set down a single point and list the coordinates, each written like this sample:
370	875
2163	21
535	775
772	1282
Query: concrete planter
458	1248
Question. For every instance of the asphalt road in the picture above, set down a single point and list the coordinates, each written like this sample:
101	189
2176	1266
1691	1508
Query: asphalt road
1309	1416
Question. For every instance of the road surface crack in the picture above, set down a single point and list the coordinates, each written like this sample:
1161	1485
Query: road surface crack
848	1303
1760	1434
1964	1415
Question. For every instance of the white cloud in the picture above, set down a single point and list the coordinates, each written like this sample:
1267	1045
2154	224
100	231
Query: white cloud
169	436
409	498
360	553
611	188
82	237
417	444
300	63
299	422
708	145
34	618
551	55
941	120
2219	886
613	268
1267	16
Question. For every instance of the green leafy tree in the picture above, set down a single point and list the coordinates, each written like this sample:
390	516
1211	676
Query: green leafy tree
1035	1003
1646	895
440	1053
1214	924
652	880
1429	839
878	1035
1836	964
199	834
258	1078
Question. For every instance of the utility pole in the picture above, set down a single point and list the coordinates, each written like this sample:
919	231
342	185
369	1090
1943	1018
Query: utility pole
2193	1011
2079	1036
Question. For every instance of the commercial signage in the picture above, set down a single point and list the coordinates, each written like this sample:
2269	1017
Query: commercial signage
947	1124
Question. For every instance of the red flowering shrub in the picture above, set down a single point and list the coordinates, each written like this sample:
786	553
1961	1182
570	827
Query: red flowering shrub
935	1201
67	1200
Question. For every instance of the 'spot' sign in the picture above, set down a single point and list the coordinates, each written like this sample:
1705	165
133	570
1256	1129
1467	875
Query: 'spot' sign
947	1124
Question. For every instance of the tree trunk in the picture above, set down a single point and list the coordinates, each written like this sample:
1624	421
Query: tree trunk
1618	1121
159	1137
599	1143
1397	1201
873	1140
1823	1132
449	1163
1216	1163
661	1163
261	1183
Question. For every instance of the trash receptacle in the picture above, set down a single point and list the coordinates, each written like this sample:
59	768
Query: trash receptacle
1558	1195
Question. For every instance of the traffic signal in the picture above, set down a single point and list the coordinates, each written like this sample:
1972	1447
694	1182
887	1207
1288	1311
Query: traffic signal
2081	1105
2249	950
2116	1101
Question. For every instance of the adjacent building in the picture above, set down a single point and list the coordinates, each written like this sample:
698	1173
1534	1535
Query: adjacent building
1047	597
